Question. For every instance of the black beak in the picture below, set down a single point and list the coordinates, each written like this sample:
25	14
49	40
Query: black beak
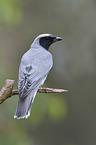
57	39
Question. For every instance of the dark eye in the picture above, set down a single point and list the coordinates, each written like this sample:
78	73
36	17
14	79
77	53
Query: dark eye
47	38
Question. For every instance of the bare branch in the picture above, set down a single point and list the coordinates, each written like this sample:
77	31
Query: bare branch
51	90
7	91
43	90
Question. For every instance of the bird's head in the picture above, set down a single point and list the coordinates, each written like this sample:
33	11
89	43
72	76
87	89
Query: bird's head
45	40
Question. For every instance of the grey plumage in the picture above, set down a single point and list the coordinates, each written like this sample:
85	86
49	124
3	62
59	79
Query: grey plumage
34	68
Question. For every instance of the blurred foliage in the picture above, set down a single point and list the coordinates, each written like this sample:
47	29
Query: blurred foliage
2	73
52	106
57	108
10	12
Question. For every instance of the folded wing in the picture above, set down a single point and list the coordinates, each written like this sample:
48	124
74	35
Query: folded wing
30	79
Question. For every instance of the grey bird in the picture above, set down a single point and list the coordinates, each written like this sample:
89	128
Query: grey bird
34	68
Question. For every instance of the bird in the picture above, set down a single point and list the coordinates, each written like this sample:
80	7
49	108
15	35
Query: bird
33	70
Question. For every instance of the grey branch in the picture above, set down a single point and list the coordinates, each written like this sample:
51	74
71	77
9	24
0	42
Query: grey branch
7	90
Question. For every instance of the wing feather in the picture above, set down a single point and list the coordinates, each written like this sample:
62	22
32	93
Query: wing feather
29	82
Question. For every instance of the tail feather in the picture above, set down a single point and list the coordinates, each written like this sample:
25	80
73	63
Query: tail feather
24	105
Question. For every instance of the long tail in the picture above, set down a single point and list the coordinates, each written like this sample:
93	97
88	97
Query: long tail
24	105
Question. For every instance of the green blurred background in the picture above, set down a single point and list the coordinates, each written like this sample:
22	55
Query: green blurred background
56	119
